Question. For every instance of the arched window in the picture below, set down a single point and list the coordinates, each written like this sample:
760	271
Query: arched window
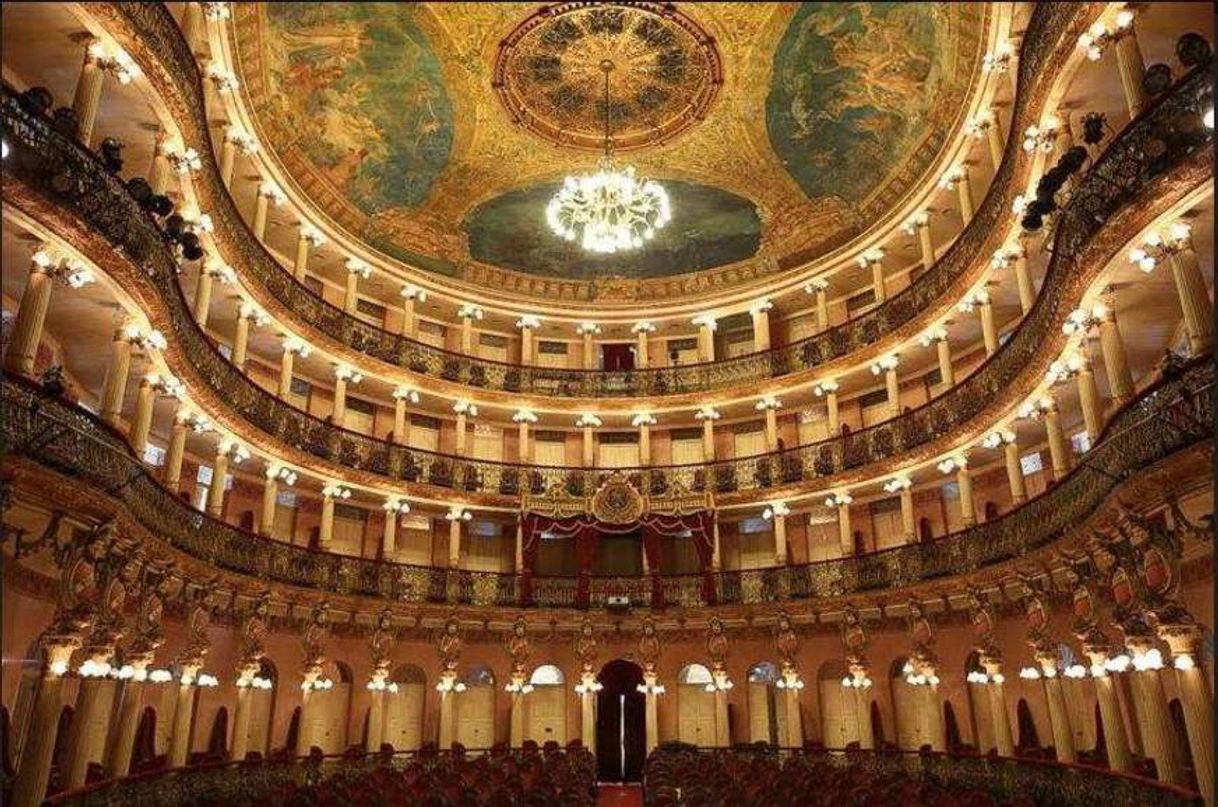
547	675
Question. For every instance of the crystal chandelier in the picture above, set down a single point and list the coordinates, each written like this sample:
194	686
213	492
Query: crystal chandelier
611	210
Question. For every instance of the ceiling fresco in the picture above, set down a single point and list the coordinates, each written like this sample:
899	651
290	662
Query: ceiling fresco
427	129
716	227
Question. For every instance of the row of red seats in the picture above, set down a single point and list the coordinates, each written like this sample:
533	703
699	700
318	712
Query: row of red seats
680	775
530	777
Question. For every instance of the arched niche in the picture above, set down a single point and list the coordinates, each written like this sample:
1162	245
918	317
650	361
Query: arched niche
767	712
475	708
546	706
695	705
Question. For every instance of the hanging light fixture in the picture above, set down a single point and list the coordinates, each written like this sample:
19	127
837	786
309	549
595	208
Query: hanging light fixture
610	210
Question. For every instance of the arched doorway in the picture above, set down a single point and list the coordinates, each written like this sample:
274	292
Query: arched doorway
403	727
696	706
475	708
621	731
767	712
546	706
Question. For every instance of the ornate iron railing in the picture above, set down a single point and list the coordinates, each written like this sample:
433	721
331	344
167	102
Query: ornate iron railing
1137	166
1049	38
1172	415
673	771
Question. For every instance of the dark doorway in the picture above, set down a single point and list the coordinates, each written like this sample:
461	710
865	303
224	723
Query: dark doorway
1028	738
617	357
877	725
621	732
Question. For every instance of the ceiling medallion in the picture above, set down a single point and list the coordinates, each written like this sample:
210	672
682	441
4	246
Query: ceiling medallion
549	76
610	210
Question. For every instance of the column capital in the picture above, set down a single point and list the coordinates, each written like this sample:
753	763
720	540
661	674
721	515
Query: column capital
280	473
933	335
768	402
975	298
898	484
870	256
707	321
116	62
524	416
224	80
271	192
356	266
240	138
816	285
643	419
953	176
707	412
465	408
335	490
469	311
916	222
412	292
839	498
979	124
827	387
643	326
591	328
294	344
998	438
528	322
588	421
954	463
404	393
885	364
345	372
395	506
252	312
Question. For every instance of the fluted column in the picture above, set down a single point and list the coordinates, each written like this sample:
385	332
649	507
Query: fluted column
1059	453
708	415
587	711
716	555
1015	480
400	396
1116	363
268	194
1119	758
587	331
409	319
116	377
141	424
90	719
308	694
130	711
215	492
820	288
760	313
461	428
988	125
516	697
376	713
1023	281
87	97
964	481
706	337
307	236
467	314
887	366
947	374
22	351
248	315
160	169
920	225
325	531
519	554
979	300
524	420
183	716
651	710
235	140
1132	69
1154	719
176	451
34	770
780	537
357	270
832	413
770	405
904	488
1059	715
644	423
1089	399
1187	644
454	537
447	713
862	716
527	325
343	376
845	532
723	737
291	347
1000	718
795	723
873	259
588	422
270	499
1191	289
957	179
642	351
389	535
241	712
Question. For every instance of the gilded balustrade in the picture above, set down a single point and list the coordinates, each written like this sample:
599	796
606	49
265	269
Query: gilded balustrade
1174	414
167	60
1160	155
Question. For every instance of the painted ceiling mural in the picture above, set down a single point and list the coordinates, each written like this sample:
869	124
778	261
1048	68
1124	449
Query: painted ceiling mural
716	227
408	125
857	87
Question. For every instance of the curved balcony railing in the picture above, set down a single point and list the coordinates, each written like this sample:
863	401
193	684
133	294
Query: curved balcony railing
1137	164
1049	38
1167	417
1150	163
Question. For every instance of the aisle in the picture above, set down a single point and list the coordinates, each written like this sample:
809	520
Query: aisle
619	796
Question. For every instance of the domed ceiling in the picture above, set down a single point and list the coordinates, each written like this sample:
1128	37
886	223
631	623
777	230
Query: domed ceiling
436	132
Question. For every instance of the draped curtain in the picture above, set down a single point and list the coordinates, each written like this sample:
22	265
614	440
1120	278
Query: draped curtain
585	529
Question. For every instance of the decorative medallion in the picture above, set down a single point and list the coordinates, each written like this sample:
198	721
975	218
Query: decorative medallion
616	502
666	73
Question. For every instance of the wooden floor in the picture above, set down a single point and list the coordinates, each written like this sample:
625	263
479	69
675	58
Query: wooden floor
620	796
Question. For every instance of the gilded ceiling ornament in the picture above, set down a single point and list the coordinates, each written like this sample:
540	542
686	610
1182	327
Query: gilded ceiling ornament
667	73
